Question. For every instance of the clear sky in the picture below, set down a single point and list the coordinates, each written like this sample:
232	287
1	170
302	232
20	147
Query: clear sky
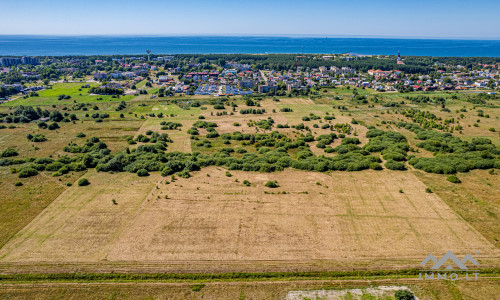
424	18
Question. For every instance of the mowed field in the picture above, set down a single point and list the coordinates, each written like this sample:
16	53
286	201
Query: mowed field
74	90
355	217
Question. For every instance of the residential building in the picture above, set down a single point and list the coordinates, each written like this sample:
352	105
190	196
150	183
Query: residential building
100	75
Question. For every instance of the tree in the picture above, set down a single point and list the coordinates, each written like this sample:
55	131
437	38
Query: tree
56	116
53	126
42	125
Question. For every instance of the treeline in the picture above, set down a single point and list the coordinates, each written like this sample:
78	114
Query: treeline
7	91
25	114
285	62
105	91
43	72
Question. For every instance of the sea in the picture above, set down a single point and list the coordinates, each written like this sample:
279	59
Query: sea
17	45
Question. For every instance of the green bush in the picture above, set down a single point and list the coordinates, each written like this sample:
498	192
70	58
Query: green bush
404	295
83	182
9	152
53	126
18	183
212	135
184	174
395	165
348	140
397	156
37	138
453	179
272	184
167	171
193	131
196	287
170	125
27	172
142	173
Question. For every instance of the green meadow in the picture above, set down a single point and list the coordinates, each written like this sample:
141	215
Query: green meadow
74	90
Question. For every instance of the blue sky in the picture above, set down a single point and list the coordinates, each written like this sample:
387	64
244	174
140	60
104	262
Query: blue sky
424	18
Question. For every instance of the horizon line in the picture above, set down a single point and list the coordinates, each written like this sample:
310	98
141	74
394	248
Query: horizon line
257	35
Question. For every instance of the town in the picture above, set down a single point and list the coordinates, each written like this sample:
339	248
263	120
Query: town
226	75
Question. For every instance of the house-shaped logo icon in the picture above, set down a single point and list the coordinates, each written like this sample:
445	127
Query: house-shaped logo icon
449	256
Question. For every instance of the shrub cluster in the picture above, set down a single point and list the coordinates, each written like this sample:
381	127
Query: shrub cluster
253	111
9	152
105	91
325	139
25	114
170	125
452	154
121	106
37	138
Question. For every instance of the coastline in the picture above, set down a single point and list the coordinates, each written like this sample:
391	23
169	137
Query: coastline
19	45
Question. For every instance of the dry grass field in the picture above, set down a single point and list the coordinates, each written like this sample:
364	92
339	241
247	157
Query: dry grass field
476	200
213	223
443	290
357	217
20	205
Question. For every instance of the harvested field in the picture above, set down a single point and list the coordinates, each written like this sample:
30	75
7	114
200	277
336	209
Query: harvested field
355	217
487	288
82	223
